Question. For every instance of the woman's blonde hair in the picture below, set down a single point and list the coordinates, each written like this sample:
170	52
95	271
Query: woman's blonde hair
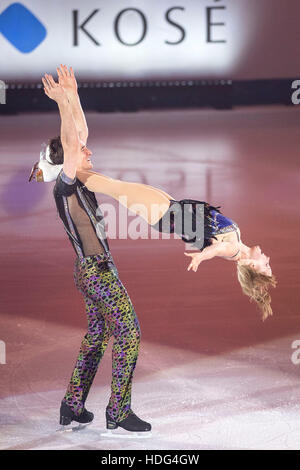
255	285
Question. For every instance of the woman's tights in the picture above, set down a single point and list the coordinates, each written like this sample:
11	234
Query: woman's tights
146	201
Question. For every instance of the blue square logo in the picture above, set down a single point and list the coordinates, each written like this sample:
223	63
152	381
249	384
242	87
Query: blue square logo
21	28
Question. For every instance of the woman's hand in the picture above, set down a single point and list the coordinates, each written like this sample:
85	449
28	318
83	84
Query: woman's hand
67	80
53	90
196	260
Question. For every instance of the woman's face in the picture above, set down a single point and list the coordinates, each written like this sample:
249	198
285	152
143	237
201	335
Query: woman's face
259	261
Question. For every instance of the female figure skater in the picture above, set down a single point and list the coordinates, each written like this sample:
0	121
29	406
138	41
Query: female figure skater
222	236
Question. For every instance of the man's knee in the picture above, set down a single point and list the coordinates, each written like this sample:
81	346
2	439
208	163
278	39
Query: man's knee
130	334
93	340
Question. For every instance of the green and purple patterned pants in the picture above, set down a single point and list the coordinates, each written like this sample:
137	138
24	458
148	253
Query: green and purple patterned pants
110	313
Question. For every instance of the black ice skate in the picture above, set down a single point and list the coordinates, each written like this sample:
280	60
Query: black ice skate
67	416
132	426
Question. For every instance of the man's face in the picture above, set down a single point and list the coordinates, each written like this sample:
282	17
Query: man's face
85	163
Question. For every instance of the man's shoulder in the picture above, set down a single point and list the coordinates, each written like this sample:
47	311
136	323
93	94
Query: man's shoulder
64	185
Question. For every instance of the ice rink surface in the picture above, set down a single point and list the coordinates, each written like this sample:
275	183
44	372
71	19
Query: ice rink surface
210	374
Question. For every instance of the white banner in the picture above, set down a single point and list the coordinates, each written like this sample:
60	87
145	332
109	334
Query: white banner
127	39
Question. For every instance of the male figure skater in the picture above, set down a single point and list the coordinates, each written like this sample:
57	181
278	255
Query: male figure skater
108	306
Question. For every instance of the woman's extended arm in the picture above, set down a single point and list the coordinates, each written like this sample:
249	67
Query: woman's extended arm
216	249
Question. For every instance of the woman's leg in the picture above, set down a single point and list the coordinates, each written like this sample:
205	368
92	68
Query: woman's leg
161	192
146	201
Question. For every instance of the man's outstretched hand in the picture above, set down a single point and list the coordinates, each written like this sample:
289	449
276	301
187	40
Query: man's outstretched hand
67	80
53	90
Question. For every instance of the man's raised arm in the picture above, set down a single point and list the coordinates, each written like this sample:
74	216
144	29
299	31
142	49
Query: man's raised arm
69	135
67	80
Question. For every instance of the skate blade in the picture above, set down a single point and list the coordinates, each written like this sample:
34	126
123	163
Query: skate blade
72	428
122	433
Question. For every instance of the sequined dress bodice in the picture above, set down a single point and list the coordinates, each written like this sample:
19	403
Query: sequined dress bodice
222	224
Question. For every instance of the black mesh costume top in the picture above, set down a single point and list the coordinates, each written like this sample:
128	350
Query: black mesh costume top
81	217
